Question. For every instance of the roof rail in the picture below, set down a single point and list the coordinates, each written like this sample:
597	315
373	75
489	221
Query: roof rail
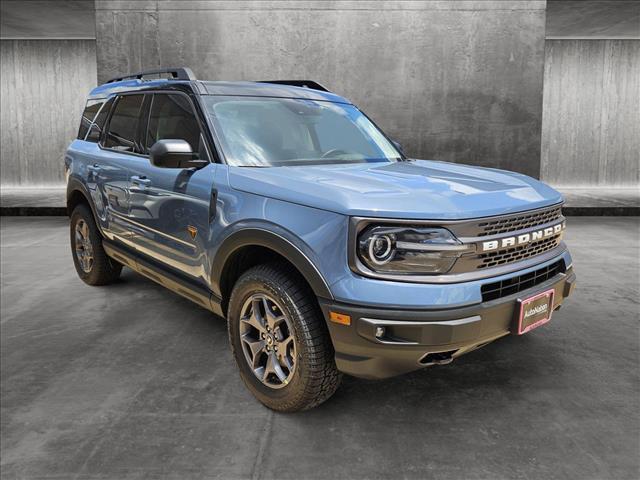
181	73
298	83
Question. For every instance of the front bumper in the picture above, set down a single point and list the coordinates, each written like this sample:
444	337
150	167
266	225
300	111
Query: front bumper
417	338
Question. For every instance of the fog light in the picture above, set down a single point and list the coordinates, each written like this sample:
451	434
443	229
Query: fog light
380	331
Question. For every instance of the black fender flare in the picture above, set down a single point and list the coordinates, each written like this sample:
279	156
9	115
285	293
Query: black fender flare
273	241
75	185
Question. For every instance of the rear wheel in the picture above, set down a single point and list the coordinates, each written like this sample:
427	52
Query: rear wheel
280	341
93	265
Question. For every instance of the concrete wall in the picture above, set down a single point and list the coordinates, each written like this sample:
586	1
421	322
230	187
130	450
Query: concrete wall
36	19
43	90
459	80
579	19
591	122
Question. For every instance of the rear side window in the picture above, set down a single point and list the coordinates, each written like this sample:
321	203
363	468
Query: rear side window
123	126
87	117
172	117
95	131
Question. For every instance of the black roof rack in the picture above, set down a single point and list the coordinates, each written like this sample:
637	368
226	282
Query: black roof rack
298	83
181	73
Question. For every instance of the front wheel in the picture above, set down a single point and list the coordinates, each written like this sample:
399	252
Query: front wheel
280	341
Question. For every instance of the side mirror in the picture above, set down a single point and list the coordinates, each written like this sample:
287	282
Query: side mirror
173	153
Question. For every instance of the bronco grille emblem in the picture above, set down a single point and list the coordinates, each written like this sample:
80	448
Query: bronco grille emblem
523	239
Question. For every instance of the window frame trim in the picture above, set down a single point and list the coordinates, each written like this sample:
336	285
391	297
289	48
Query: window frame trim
144	117
107	124
147	114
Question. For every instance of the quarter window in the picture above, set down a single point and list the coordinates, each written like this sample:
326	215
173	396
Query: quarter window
123	125
87	117
95	132
172	117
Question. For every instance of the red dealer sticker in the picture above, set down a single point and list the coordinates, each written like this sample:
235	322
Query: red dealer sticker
535	311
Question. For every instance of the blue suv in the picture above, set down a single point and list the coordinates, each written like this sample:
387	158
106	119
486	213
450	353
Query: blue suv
283	208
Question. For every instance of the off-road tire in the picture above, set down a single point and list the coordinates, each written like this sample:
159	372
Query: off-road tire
315	377
103	270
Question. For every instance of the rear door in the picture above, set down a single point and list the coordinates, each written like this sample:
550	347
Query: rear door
170	208
118	146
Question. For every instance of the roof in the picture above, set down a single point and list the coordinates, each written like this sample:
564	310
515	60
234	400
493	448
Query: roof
239	88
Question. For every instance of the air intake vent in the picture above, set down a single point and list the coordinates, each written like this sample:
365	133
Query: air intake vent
492	291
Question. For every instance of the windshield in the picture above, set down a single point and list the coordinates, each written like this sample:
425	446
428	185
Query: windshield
273	132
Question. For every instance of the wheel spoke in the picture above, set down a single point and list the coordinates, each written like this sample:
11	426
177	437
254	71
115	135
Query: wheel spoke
284	344
276	368
255	347
254	322
267	370
257	306
285	360
275	321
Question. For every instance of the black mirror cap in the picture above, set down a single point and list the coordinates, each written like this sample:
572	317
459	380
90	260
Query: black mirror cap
172	153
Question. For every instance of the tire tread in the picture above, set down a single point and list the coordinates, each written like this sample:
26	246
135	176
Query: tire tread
105	270
322	376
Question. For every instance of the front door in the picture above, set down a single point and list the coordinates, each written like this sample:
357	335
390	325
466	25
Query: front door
170	208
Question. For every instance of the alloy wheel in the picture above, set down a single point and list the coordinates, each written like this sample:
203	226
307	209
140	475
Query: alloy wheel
267	341
84	249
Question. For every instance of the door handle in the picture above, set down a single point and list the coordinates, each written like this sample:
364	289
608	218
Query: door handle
139	184
141	181
94	169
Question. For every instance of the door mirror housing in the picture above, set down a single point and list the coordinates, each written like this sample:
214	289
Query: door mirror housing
174	153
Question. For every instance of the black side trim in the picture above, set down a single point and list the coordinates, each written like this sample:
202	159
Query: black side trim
275	242
161	275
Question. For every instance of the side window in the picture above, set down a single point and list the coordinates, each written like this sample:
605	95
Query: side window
123	126
95	132
171	117
87	117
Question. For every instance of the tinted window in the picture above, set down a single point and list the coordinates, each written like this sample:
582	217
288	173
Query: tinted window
87	117
172	116
95	131
124	124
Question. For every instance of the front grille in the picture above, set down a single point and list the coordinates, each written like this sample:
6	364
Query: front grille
519	222
496	228
515	254
492	291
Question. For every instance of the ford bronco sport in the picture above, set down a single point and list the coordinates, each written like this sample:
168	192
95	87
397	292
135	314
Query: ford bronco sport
283	208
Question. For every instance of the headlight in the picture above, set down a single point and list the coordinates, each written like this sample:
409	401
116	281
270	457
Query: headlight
409	250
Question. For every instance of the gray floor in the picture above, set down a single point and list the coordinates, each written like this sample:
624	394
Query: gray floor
131	381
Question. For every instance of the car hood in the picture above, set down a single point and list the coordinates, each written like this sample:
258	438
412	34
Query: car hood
418	189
